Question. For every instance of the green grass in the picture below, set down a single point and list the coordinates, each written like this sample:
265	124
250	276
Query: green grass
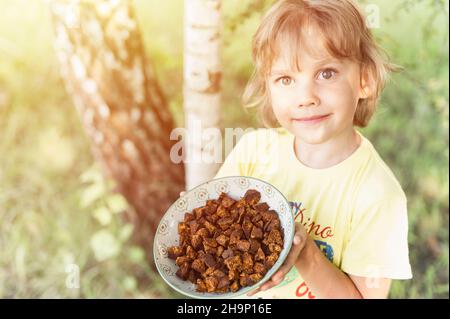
57	210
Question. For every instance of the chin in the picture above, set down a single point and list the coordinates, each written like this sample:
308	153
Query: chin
310	137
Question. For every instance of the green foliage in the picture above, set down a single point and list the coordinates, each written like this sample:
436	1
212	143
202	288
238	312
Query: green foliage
410	131
57	210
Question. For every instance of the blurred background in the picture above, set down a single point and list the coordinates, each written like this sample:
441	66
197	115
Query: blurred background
62	229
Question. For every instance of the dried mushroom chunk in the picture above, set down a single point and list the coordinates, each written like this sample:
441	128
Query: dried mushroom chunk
228	244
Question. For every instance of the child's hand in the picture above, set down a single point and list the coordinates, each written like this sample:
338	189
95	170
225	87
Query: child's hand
299	241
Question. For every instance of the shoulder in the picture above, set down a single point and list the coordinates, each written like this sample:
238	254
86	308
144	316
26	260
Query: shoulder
378	182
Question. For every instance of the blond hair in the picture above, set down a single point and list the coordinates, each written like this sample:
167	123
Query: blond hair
346	35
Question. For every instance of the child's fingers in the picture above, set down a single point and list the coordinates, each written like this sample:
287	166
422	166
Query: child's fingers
267	285
300	231
298	244
274	281
251	293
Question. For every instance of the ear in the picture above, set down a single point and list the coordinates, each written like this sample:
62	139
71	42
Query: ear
366	88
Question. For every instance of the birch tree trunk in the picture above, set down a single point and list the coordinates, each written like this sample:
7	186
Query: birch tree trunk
202	77
120	103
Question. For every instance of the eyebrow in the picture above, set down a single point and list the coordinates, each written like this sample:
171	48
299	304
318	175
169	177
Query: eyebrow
315	65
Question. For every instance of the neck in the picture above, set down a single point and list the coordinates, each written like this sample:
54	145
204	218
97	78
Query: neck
327	154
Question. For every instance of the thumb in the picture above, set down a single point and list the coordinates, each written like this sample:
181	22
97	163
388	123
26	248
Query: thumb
300	235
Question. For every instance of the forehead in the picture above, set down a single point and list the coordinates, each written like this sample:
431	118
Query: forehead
297	63
293	51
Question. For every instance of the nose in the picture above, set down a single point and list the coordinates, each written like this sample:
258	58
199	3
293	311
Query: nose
306	95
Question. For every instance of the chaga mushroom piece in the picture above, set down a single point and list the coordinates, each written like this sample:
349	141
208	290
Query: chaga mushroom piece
252	196
203	232
174	252
212	242
183	228
256	233
234	263
235	237
275	237
247	263
233	274
183	272
257	218
259	268
254	278
271	260
188	217
260	256
209	260
210	227
234	286
201	285
247	228
192	276
191	253
219	251
211	283
197	242
262	207
243	245
222	212
269	215
198	265
227	244
272	224
224	282
210	250
227	201
193	226
201	212
227	253
249	280
223	240
275	248
254	246
225	222
181	260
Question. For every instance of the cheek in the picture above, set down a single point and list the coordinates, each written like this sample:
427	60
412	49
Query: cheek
282	114
280	102
341	97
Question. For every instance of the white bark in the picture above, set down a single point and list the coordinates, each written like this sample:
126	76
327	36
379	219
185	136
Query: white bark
202	76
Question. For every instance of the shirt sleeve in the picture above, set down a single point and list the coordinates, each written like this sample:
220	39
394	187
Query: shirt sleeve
240	161
378	243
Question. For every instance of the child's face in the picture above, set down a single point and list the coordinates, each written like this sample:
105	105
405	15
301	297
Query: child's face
319	102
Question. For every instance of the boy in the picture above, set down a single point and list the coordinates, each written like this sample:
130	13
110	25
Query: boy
318	75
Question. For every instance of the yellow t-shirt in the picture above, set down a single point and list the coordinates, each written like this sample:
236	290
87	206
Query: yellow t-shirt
355	211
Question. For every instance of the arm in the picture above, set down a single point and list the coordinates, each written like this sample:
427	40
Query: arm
323	278
372	288
331	282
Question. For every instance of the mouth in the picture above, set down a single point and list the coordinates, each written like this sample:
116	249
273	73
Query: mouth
311	119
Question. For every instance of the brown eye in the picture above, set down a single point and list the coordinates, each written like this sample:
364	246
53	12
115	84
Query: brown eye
327	74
